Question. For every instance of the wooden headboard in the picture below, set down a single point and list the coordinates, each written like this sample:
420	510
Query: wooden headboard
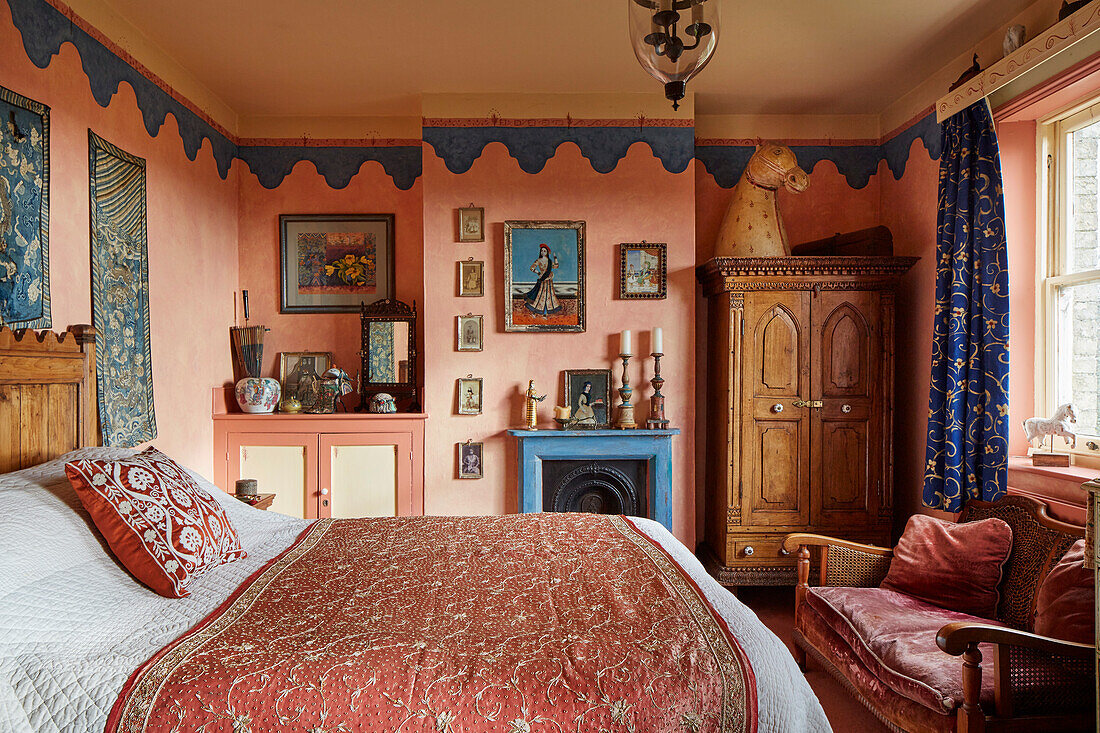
47	395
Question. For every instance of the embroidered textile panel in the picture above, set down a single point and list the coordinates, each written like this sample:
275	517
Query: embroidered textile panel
383	365
525	623
967	454
24	212
120	294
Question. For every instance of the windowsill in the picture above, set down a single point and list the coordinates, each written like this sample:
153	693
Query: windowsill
1059	487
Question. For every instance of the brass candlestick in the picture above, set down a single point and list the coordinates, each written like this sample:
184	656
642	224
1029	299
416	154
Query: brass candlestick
656	420
625	421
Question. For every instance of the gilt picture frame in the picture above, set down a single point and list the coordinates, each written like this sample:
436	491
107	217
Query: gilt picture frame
470	391
588	396
469	333
471	278
643	270
332	263
299	371
471	460
471	224
544	276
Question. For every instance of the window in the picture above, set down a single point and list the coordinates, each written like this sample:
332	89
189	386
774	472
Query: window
1069	298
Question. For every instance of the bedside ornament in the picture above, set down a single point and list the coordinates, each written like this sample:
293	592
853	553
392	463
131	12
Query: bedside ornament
382	404
752	227
257	395
247	487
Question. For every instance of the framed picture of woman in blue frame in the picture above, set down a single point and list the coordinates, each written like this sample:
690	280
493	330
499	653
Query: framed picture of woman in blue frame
544	276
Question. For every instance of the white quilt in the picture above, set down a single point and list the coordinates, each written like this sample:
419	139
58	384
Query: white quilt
74	624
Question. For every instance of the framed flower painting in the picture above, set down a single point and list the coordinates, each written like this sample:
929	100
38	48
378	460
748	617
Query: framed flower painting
331	263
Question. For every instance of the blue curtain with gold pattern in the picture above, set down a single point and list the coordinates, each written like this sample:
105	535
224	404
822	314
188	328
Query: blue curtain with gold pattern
967	453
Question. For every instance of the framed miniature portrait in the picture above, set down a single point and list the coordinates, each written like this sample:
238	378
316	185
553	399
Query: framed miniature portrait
469	333
332	263
300	372
643	270
544	276
469	395
471	224
470	460
588	395
471	278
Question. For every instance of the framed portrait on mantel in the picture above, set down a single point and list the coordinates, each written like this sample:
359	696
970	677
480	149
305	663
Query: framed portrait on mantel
588	395
544	276
330	263
643	270
471	224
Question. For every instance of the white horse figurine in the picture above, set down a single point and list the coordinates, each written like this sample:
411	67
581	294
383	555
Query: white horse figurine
1056	424
752	227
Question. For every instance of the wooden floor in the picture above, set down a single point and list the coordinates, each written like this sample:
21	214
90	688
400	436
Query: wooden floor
775	607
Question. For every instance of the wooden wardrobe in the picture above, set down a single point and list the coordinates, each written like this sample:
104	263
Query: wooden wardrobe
800	392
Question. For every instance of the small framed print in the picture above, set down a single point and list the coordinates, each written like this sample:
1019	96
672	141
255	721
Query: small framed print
643	270
471	224
469	333
471	279
470	459
469	395
300	373
588	394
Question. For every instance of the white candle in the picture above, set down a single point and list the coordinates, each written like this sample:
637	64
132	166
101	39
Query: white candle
624	343
658	342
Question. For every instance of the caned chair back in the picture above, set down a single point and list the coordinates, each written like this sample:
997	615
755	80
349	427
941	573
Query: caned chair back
1038	543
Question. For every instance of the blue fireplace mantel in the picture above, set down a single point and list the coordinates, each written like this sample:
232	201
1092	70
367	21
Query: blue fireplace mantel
653	446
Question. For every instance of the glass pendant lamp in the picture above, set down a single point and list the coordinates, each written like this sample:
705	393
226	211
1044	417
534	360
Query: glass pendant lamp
674	40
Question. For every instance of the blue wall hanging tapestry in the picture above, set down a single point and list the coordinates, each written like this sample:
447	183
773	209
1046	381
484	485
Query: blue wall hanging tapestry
967	454
24	212
120	294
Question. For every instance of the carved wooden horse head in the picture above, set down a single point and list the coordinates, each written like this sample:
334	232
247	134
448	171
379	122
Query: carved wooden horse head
752	227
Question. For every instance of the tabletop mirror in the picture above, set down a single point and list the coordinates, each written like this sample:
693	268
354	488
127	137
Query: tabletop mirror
389	352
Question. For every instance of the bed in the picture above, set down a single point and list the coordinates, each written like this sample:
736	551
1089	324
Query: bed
519	623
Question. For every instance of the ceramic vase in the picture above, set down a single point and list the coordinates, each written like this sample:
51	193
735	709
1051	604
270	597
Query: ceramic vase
257	395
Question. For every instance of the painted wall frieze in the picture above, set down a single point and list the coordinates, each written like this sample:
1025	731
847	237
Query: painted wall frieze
532	145
337	164
725	160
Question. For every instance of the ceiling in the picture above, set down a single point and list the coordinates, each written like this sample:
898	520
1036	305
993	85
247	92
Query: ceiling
324	58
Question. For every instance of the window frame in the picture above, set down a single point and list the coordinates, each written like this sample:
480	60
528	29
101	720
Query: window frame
1053	255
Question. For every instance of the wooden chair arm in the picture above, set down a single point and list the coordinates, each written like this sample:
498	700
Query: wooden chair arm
955	638
792	542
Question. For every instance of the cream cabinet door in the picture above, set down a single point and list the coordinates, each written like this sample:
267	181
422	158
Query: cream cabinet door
284	464
365	475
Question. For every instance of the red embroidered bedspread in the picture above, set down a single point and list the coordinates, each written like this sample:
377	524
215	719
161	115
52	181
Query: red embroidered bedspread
524	623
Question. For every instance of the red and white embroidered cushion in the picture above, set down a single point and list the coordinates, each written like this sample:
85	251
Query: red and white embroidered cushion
158	522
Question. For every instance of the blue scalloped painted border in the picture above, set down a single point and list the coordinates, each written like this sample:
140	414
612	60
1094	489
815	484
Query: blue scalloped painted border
45	29
857	163
604	147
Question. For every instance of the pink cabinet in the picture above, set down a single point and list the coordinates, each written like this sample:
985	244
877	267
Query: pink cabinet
342	465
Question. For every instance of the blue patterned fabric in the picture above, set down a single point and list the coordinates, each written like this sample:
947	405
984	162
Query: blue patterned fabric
24	212
383	363
120	294
968	402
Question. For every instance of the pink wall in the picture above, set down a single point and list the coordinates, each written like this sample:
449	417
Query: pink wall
305	191
638	200
1018	167
909	209
192	238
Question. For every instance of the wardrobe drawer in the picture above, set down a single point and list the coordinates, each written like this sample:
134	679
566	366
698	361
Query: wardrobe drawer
757	550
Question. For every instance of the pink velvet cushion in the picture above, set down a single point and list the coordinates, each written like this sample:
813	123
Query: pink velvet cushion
894	636
954	566
1064	608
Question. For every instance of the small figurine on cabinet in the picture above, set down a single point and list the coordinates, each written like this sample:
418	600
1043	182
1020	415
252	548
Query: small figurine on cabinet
382	403
530	406
342	384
